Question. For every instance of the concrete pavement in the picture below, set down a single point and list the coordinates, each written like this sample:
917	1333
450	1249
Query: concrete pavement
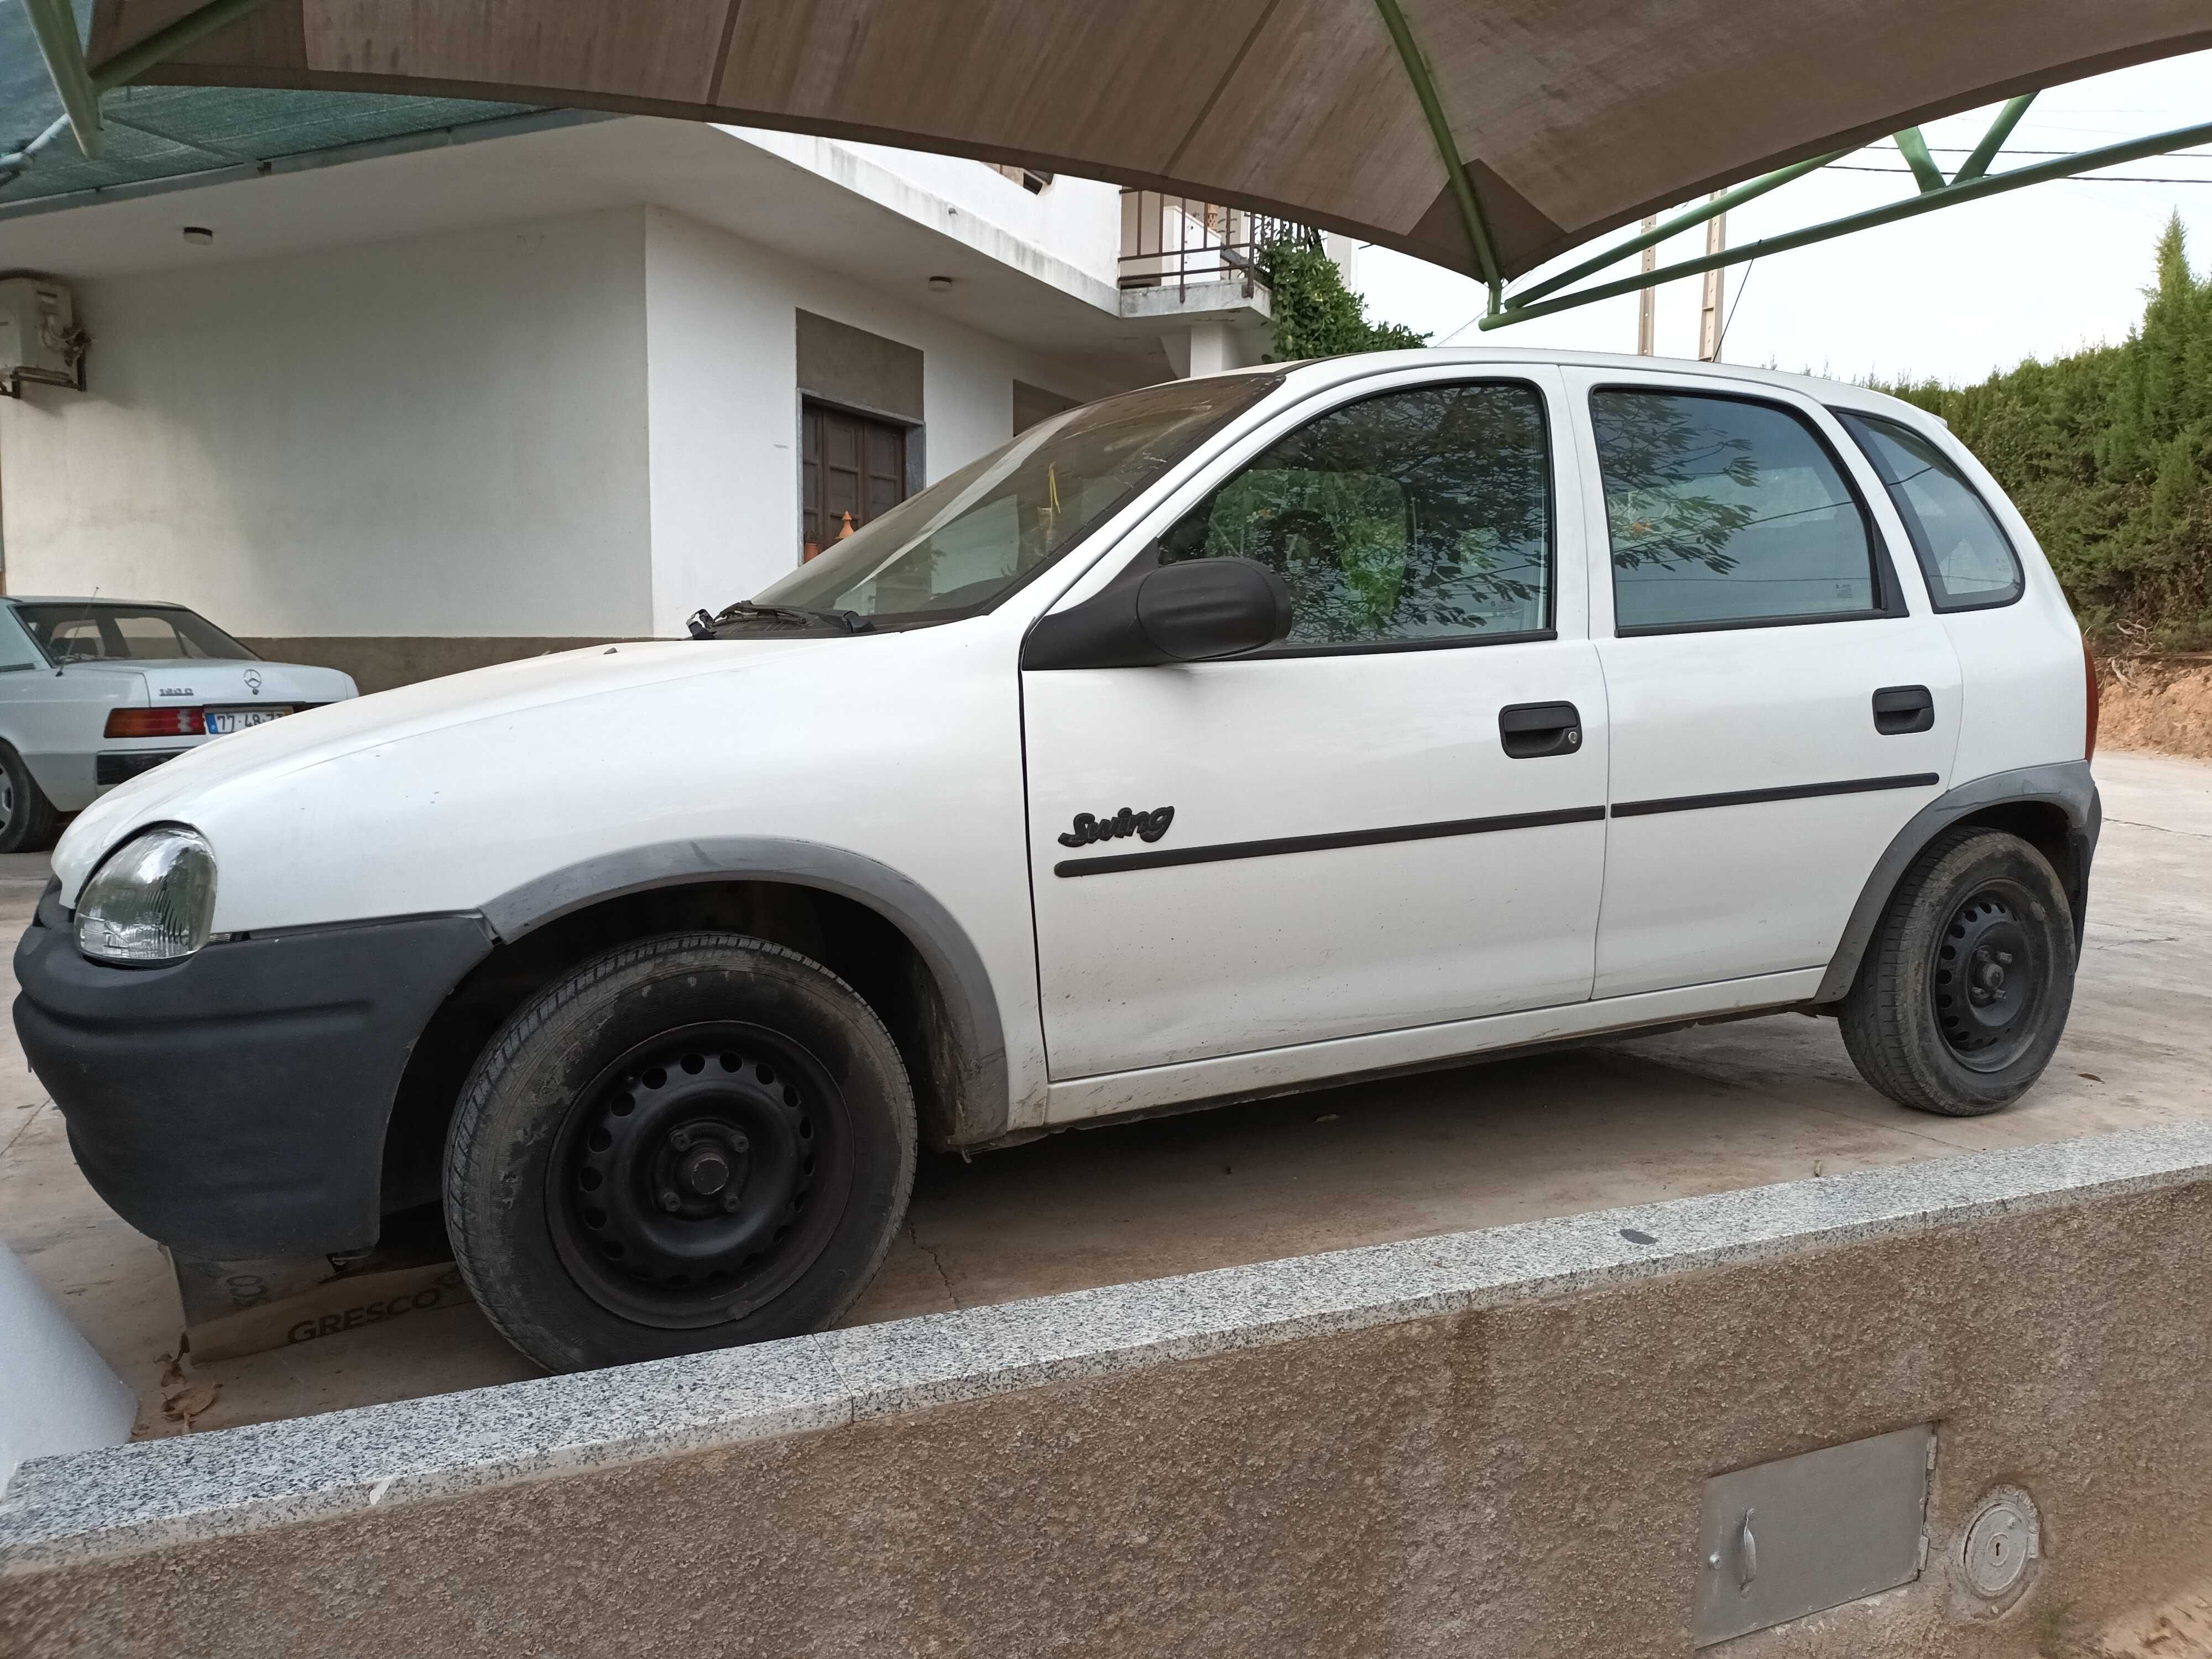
1693	1112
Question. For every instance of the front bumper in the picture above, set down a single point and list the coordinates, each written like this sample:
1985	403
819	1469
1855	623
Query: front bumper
233	1105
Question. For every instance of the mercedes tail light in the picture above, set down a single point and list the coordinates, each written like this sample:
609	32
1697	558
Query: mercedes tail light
156	722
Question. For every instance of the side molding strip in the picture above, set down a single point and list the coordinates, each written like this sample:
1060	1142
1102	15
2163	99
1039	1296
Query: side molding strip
1636	808
1263	849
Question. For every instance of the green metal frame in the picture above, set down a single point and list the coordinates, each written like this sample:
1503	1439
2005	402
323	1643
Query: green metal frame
1972	182
54	23
1462	187
79	88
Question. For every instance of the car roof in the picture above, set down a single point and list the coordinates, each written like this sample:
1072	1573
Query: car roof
1323	371
79	598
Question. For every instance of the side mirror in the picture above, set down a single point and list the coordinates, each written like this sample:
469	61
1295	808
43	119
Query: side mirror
1157	613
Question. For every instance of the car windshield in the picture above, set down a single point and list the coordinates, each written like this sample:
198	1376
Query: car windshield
69	632
968	540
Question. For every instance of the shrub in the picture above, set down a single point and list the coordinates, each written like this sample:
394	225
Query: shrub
2108	454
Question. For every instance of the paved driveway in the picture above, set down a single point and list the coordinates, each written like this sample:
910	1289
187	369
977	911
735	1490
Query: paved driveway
1695	1111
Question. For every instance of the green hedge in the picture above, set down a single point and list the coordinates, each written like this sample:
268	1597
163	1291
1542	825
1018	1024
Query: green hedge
2109	455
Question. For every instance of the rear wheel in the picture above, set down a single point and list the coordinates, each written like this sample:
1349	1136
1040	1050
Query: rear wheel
1967	984
692	1142
26	817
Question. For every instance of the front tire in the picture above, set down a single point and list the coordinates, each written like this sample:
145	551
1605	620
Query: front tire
691	1142
1966	985
26	817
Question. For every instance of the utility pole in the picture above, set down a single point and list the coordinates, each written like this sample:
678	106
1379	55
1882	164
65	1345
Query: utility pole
1709	319
1647	303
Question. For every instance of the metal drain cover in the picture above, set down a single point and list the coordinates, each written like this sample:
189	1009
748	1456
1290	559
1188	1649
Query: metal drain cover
2000	1542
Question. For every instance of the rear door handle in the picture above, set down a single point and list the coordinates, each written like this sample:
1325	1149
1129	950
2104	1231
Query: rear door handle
1899	709
1531	731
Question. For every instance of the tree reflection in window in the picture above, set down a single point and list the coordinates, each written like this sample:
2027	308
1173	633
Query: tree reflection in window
1412	515
1725	510
1659	456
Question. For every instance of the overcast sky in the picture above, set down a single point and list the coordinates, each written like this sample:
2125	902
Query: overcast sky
1954	293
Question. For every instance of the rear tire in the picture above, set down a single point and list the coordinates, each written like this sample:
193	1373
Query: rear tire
1966	985
28	818
691	1142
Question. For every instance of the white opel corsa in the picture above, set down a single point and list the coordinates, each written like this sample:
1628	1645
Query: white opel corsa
1208	742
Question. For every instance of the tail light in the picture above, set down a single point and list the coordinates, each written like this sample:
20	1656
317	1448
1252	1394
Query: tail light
2089	672
156	722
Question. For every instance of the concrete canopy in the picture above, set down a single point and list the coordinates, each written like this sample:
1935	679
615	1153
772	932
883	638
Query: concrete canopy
1571	116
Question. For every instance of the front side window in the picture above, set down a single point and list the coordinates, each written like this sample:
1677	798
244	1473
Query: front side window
968	540
1724	511
111	633
1963	551
1420	516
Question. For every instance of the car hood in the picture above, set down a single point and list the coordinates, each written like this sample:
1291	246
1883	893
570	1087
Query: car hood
250	761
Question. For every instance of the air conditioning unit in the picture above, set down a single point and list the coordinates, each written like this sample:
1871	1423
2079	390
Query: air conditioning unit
39	339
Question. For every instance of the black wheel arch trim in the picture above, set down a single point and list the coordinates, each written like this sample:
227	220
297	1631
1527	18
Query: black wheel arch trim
2066	784
983	1108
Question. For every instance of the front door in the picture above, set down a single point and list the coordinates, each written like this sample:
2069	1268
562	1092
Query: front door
851	468
1779	710
1395	818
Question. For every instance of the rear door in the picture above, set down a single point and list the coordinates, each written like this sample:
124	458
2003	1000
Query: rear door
1396	818
1782	698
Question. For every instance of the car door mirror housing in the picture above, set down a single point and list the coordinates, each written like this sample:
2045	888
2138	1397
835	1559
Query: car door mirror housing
1167	613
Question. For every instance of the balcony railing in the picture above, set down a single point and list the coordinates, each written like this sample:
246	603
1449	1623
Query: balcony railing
1178	241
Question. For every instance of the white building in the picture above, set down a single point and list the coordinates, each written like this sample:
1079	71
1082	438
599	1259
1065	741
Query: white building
484	391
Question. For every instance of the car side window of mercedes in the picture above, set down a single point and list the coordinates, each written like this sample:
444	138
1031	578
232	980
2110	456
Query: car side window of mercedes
1223	737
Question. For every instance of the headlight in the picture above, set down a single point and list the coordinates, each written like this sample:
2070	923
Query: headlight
152	900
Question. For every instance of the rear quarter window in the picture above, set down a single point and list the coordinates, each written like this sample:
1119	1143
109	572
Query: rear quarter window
1968	560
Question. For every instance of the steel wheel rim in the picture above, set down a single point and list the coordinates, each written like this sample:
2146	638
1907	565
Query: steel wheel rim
753	1145
7	800
1989	977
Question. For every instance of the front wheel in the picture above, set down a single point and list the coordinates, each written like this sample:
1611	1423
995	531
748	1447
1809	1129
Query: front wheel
690	1142
1964	989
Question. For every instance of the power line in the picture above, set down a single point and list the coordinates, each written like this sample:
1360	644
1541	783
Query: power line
2078	179
2014	150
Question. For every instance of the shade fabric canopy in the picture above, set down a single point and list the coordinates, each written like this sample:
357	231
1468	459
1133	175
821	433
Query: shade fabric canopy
1571	116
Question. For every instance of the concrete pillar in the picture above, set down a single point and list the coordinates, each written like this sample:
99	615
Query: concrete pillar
1211	348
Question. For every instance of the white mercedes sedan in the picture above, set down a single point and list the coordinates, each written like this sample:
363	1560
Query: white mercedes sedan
94	691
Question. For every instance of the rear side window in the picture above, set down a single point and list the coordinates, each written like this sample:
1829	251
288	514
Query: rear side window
1964	552
1408	519
1726	513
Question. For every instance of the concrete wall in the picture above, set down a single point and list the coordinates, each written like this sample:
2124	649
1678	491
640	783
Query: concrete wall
1486	1443
445	435
414	456
723	348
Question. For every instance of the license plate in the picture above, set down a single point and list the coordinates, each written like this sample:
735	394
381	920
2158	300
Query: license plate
222	720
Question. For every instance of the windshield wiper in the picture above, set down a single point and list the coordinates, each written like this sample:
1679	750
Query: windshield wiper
703	626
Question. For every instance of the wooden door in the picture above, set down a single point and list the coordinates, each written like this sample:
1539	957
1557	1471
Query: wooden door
848	464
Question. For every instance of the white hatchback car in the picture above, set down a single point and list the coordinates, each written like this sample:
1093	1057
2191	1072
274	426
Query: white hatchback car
1208	742
95	692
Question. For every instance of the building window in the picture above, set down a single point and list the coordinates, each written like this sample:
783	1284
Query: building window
851	468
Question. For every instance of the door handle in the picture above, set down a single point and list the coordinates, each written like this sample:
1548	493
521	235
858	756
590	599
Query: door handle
1531	731
1899	709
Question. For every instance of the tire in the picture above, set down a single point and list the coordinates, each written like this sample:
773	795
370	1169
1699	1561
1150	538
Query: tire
690	1142
1965	988
26	817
